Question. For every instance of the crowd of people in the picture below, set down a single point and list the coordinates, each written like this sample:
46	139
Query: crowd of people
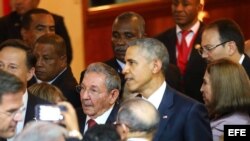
152	89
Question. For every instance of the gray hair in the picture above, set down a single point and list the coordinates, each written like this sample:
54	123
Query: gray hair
112	79
41	131
153	49
139	115
9	84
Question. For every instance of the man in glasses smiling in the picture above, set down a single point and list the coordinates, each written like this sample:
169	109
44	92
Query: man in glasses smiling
224	39
10	103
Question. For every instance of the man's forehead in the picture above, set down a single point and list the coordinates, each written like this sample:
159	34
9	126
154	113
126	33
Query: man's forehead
42	18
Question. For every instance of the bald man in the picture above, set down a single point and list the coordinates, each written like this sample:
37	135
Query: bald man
137	118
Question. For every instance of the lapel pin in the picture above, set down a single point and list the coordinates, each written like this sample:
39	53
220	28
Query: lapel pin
165	117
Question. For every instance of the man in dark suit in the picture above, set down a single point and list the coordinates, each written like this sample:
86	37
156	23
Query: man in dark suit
10	25
99	92
126	27
16	58
11	92
181	118
51	66
224	39
185	15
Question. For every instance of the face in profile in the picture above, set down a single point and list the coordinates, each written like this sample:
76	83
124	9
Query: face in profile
41	24
10	114
95	97
14	61
185	12
206	89
124	31
210	43
138	70
49	63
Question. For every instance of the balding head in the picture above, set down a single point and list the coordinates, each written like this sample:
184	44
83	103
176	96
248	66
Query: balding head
139	115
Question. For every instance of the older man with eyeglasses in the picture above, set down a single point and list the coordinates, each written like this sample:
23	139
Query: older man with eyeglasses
223	38
99	92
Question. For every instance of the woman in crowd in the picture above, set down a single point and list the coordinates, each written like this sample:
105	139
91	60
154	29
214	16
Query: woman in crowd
226	93
47	91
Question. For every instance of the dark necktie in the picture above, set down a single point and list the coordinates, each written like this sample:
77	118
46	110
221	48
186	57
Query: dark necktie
91	123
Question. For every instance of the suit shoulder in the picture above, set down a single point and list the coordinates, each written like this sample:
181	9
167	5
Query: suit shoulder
166	34
184	99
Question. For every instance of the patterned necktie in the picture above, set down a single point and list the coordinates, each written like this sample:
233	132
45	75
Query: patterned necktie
183	52
91	123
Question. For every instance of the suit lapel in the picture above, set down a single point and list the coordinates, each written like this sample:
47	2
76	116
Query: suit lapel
165	110
246	64
112	117
30	113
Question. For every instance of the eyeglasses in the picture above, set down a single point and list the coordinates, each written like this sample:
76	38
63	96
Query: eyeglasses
90	91
13	113
201	49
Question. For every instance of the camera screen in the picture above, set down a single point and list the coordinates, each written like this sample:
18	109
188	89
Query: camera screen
48	113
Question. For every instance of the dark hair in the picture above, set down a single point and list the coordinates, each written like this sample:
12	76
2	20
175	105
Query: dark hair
229	30
17	43
55	40
27	19
102	132
9	84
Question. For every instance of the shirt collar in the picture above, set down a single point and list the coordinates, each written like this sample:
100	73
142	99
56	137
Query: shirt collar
156	97
101	119
50	82
194	28
120	63
242	58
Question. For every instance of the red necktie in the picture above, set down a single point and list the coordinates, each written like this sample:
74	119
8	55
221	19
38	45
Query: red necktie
183	52
91	123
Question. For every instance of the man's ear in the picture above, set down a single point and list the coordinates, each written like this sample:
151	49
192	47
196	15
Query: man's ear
113	95
123	132
63	59
24	34
231	48
30	73
157	65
